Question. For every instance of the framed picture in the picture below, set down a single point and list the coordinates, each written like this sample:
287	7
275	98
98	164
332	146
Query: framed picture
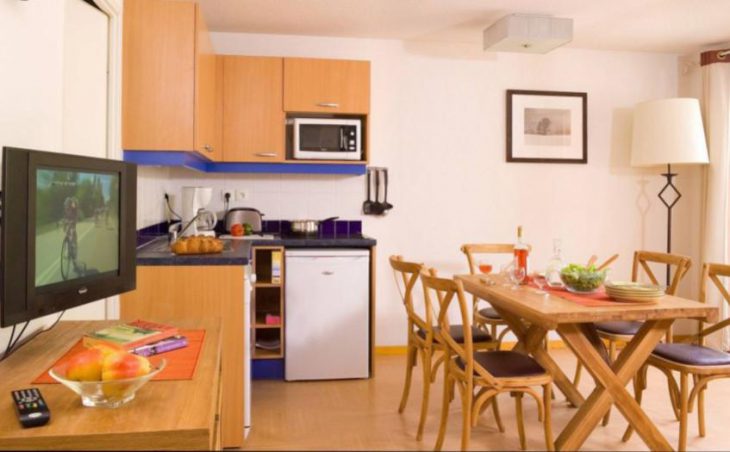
546	127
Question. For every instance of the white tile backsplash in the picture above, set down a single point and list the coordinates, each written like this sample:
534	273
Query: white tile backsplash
278	196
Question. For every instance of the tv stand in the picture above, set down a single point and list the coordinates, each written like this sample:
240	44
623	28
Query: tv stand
165	415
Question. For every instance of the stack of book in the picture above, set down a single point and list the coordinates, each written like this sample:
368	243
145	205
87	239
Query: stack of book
139	337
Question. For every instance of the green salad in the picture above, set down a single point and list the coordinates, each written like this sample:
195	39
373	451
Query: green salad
581	278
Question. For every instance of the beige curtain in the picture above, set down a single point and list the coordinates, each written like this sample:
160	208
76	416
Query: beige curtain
716	224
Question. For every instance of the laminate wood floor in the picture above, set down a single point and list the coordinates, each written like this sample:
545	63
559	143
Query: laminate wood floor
363	415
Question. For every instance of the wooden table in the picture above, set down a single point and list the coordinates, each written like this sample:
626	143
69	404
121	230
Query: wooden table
165	415
532	315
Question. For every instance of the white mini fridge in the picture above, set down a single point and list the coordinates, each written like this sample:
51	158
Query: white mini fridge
327	314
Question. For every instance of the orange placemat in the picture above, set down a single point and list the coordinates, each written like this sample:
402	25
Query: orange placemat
181	363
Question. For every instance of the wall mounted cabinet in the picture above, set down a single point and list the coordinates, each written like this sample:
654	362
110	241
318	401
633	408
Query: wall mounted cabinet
326	86
169	79
253	119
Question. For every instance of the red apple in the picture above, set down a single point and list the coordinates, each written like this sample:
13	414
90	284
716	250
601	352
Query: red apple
85	365
121	364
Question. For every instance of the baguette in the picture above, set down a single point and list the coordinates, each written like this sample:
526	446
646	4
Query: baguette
197	245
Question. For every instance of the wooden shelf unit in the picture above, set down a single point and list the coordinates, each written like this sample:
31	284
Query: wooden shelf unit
268	298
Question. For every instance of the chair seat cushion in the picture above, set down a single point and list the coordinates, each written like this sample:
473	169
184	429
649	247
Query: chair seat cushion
619	327
693	355
490	313
457	332
505	364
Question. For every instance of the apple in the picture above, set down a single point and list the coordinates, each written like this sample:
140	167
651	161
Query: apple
121	364
85	365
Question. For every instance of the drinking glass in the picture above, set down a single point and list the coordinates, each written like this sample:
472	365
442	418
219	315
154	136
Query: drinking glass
540	281
484	266
516	275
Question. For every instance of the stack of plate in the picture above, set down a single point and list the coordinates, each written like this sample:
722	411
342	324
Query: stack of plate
632	292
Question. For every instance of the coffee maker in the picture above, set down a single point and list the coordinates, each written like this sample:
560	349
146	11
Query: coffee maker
194	201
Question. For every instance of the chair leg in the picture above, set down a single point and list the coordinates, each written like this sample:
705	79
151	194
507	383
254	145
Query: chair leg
466	402
639	385
410	362
701	412
434	370
683	396
578	371
547	421
497	416
520	419
447	396
611	359
426	365
493	333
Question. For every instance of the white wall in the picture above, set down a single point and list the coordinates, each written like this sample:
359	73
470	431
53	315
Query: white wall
438	123
53	89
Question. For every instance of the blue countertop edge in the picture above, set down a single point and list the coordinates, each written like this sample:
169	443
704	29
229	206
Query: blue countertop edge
240	252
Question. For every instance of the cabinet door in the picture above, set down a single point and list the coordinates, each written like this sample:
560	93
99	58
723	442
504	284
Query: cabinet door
253	120
158	75
207	127
328	86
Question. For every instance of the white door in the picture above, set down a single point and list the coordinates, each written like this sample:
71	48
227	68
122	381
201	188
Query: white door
327	314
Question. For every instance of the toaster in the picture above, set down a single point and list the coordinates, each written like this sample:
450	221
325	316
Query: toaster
244	215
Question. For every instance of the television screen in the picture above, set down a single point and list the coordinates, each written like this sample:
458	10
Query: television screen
76	225
68	232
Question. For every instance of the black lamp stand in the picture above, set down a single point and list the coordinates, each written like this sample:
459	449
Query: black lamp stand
669	187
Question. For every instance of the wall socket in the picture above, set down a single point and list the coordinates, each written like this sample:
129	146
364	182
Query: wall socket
240	194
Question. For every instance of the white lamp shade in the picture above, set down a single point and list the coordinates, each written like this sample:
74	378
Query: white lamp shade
668	131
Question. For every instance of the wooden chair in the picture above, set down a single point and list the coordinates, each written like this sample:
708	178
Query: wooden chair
486	317
623	331
492	372
704	364
422	335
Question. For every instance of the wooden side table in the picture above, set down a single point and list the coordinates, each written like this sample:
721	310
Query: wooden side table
165	415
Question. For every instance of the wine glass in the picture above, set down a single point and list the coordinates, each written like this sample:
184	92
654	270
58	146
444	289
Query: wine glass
505	270
540	281
516	275
484	266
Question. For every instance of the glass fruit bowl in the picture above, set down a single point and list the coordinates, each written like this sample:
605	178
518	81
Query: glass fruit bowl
107	394
581	279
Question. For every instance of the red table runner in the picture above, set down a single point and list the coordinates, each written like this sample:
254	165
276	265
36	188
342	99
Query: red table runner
181	363
598	298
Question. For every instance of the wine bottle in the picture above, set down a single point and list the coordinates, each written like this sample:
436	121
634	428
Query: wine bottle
521	250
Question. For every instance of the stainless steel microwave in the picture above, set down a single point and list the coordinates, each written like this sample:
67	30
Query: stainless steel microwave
326	138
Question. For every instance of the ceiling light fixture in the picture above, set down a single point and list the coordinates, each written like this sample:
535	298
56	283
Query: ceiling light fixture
528	33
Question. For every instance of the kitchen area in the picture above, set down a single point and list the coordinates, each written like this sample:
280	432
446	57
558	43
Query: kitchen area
263	156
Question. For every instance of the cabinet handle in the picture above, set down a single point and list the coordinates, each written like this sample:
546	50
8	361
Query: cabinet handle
328	273
266	154
208	148
328	104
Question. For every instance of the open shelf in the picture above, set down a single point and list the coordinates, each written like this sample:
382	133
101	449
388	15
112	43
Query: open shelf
268	299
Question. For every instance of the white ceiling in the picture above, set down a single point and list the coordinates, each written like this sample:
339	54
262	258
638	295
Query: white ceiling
670	26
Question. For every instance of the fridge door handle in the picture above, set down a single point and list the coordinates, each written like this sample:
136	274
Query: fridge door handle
328	273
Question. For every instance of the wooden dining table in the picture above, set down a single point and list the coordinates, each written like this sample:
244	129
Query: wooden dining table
531	315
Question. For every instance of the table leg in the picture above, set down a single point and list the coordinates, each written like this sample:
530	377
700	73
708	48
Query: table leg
611	382
530	342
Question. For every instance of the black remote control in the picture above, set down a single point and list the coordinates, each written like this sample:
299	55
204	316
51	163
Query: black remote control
30	407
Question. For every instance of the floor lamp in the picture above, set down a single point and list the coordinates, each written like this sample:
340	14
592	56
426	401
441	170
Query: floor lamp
668	132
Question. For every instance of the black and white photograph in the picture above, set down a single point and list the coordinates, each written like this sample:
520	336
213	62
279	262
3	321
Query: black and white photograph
546	127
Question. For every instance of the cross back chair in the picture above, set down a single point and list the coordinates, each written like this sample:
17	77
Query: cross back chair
622	331
487	317
423	335
703	364
492	371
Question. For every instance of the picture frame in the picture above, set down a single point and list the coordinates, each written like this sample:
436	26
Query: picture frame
547	126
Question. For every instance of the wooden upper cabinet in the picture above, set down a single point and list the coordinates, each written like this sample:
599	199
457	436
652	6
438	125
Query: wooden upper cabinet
326	86
253	119
168	79
207	120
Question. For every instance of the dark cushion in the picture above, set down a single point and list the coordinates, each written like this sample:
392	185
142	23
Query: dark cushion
505	363
457	332
490	313
619	327
694	355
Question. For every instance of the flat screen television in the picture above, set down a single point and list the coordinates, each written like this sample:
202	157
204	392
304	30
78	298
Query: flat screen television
67	232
